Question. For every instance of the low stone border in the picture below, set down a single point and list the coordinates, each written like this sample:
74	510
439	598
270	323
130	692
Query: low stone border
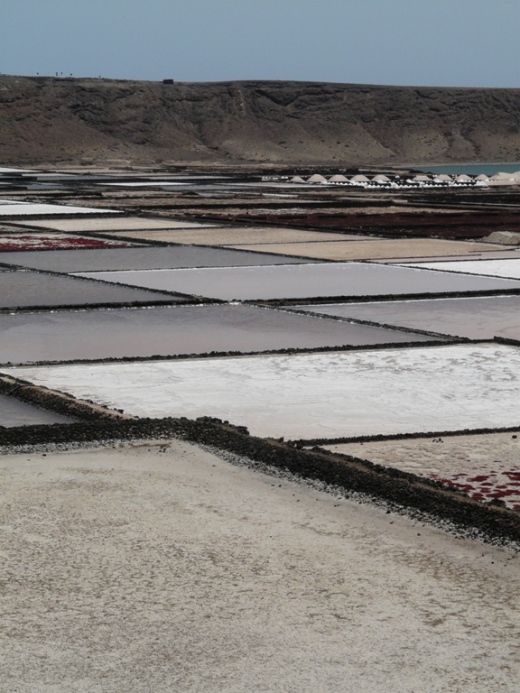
350	473
319	300
59	402
312	442
238	354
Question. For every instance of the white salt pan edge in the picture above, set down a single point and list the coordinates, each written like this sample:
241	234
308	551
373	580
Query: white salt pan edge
22	209
507	268
313	395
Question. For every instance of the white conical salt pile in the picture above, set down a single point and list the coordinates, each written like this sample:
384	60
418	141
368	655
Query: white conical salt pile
463	178
317	178
359	178
297	179
338	178
380	178
502	178
442	178
421	178
482	177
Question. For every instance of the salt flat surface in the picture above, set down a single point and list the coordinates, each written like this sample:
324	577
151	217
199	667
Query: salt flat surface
136	258
169	331
369	249
305	281
26	288
509	268
165	568
115	224
307	396
3	169
233	235
473	318
16	413
24	209
486	466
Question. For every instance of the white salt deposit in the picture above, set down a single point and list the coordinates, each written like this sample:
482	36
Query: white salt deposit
9	208
328	395
507	269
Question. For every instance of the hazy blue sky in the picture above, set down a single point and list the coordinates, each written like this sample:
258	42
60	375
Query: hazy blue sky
428	42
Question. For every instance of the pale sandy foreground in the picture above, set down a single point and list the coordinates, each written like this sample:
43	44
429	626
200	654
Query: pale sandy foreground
134	569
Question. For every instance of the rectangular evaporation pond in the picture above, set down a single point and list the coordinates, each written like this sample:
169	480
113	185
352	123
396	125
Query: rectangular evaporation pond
170	331
119	223
14	413
24	288
232	236
332	395
483	465
140	258
473	318
306	281
44	209
41	240
509	268
370	249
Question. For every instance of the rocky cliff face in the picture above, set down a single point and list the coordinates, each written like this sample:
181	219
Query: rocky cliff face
44	120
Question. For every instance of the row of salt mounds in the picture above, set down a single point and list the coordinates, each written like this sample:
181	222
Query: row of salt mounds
382	179
502	178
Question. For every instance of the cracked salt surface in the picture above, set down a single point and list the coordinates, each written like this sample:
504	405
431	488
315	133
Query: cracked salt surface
330	395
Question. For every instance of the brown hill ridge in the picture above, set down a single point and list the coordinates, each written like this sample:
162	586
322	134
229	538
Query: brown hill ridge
48	120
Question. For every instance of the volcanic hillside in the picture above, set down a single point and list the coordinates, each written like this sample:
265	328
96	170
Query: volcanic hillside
46	120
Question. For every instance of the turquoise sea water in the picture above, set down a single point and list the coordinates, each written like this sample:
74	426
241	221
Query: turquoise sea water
471	169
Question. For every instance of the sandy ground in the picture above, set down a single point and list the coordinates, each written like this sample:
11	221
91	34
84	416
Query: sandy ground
134	569
486	466
369	249
113	224
240	235
328	395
